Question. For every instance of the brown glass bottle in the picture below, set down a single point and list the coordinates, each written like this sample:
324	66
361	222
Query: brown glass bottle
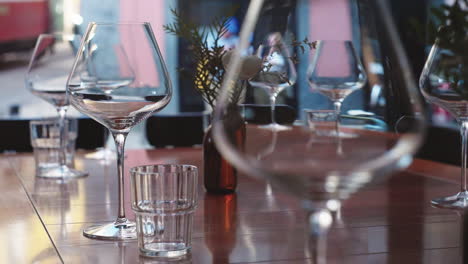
219	175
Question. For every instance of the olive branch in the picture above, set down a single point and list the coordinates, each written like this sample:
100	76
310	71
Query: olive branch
209	71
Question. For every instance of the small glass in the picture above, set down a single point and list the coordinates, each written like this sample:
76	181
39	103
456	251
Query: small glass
322	122
45	140
277	73
164	198
336	81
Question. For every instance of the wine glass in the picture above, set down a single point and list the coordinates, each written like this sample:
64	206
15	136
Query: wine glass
322	175
46	77
119	79
336	71
278	72
105	154
443	82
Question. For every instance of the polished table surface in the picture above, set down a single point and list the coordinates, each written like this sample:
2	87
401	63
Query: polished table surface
41	220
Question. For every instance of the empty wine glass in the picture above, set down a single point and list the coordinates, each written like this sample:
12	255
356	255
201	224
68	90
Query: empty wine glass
119	79
105	154
278	72
324	174
444	82
336	71
46	77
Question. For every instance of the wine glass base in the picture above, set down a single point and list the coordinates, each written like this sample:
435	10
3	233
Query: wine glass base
60	172
125	230
342	134
276	127
101	154
457	201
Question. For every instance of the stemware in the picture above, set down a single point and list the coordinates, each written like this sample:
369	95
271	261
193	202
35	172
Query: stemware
105	154
336	71
278	72
46	77
444	82
324	174
119	78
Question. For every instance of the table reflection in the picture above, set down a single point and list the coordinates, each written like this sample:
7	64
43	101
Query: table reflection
220	226
47	190
389	222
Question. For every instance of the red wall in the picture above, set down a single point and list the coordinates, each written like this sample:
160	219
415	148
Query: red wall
22	19
145	11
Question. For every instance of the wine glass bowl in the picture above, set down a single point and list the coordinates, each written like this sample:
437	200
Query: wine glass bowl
316	171
277	73
119	79
336	71
118	110
444	82
46	77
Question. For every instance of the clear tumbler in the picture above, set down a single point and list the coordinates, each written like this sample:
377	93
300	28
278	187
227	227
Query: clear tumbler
322	122
45	140
164	198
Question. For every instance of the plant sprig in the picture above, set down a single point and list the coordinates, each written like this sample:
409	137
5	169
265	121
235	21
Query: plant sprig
209	72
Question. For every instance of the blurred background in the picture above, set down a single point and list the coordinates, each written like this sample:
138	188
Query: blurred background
21	21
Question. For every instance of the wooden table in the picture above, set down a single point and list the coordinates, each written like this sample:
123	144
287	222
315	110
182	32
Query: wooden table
41	220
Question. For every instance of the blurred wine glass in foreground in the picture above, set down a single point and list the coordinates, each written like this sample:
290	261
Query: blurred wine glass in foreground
46	77
119	79
324	174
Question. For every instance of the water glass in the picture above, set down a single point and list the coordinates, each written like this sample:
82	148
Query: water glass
164	198
45	140
322	122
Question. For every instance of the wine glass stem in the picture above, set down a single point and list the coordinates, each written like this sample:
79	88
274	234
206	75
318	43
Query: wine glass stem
319	224
119	139
105	145
464	137
62	112
272	108
337	105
